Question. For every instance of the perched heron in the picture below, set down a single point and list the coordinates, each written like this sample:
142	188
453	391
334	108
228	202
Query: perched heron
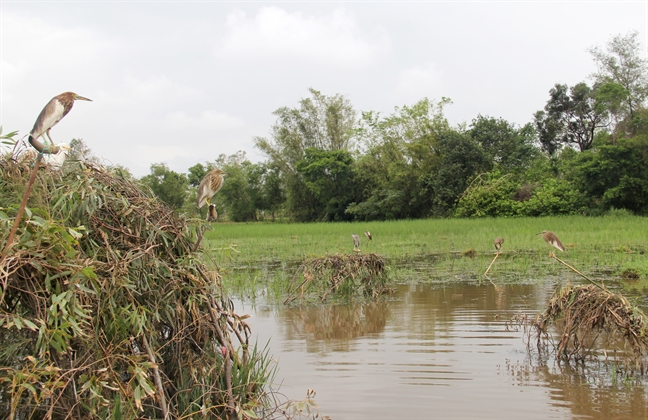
552	239
498	243
356	242
368	235
212	214
210	184
57	108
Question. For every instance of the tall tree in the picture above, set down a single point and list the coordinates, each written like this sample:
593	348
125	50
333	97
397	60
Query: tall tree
622	62
571	116
321	122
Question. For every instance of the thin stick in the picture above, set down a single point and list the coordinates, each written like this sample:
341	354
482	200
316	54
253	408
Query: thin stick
158	379
552	255
491	264
195	248
21	209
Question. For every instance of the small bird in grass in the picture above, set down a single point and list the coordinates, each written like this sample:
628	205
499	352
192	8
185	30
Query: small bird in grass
210	185
552	239
212	214
498	243
57	108
356	242
368	235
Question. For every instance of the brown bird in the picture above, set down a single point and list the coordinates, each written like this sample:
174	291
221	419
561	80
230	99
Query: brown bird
368	235
210	184
212	214
57	108
552	239
498	243
356	242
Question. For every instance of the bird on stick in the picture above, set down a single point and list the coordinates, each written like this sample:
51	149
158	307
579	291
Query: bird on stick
210	185
57	108
212	214
356	242
552	239
498	243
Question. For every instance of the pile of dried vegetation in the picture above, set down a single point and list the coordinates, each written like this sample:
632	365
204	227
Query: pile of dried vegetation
588	315
105	310
344	275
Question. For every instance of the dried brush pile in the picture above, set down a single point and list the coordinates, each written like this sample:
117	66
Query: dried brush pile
345	275
105	310
585	313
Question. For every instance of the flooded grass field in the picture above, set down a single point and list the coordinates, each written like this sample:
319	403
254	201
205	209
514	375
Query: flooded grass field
448	343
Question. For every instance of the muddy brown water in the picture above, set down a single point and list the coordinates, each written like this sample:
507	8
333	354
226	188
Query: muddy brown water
430	352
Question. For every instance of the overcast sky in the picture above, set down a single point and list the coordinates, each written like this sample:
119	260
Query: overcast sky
182	82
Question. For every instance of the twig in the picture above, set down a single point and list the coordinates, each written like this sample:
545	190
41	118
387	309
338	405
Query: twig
552	255
21	209
491	264
158	379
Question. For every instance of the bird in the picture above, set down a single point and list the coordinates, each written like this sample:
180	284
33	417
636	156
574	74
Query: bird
356	242
57	108
498	243
368	235
552	239
56	160
210	184
212	214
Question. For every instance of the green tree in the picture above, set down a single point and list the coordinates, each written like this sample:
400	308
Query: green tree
400	151
572	116
320	122
169	186
507	147
622	62
462	158
330	185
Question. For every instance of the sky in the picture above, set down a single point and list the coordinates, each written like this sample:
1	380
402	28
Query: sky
181	82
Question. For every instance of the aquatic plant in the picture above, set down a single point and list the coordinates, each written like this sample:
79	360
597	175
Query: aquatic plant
106	311
585	313
345	275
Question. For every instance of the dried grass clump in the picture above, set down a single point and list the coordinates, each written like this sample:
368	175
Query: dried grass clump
105	310
346	275
587	312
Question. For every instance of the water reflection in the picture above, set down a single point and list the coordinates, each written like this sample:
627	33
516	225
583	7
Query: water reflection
434	352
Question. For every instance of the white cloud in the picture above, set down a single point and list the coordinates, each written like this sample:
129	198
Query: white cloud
334	40
417	82
207	120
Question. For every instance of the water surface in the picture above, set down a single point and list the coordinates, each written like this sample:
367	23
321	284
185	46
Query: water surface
431	352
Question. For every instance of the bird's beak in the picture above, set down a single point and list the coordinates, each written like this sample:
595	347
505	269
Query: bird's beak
65	146
81	98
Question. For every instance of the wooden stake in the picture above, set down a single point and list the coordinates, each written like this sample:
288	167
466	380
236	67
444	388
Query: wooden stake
491	264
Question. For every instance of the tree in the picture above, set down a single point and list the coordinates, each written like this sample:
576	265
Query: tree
507	147
622	63
169	186
571	116
401	149
330	185
321	122
461	159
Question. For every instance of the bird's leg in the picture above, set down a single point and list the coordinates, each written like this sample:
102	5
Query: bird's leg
48	136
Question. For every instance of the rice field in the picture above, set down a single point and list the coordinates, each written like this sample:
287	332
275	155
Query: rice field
456	249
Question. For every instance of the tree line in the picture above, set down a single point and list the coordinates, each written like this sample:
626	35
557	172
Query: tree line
584	152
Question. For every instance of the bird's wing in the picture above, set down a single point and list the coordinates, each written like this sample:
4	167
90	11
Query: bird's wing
203	192
48	118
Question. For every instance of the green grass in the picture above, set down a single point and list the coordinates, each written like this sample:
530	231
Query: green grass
431	250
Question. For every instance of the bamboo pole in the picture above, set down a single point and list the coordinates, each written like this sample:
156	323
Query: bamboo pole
21	209
491	264
552	255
